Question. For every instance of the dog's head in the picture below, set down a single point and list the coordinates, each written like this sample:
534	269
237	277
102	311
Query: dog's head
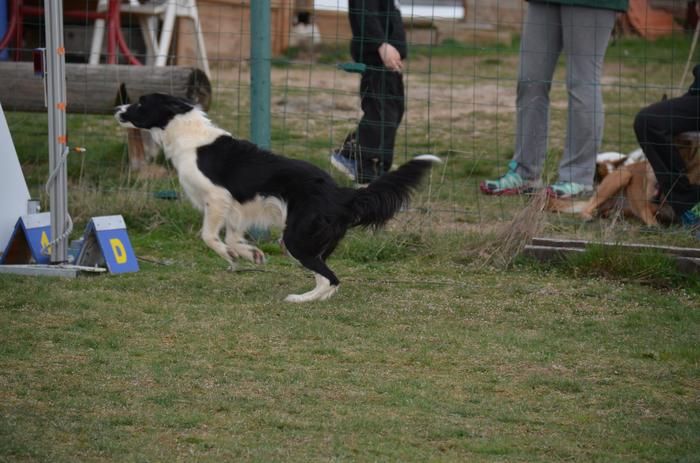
153	111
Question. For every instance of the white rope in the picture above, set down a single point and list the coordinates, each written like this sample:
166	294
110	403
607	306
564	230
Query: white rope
45	249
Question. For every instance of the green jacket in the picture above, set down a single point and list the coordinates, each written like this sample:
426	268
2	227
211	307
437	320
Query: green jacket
617	5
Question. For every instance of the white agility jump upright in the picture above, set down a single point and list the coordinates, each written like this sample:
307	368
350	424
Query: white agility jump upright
14	193
150	13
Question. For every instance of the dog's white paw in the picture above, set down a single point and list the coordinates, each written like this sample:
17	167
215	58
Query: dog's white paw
258	256
248	252
316	294
296	298
428	157
329	292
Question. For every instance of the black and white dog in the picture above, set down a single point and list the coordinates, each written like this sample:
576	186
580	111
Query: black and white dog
238	185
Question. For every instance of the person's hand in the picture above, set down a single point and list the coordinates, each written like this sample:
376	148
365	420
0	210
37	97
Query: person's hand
390	57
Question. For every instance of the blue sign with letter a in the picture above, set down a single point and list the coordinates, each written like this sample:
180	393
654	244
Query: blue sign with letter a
106	242
31	236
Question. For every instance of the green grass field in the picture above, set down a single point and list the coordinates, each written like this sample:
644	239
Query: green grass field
424	354
418	357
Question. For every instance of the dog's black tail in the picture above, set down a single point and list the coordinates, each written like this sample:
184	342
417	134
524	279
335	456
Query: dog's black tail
375	204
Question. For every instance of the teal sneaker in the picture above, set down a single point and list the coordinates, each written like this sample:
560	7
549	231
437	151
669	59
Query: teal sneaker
564	190
691	217
511	183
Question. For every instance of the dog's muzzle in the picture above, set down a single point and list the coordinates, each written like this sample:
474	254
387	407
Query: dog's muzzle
119	113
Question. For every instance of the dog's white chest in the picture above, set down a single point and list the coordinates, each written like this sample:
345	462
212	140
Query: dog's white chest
196	185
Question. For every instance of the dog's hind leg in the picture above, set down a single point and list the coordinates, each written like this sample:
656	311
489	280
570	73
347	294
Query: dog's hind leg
214	218
323	290
326	281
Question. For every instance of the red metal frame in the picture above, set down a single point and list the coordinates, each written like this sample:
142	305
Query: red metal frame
115	38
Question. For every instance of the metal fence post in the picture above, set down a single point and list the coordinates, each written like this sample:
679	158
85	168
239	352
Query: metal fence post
58	143
260	54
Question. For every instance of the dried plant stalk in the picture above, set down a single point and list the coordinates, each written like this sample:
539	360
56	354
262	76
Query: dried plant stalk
511	239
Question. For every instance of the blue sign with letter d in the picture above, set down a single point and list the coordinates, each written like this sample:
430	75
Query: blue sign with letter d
106	241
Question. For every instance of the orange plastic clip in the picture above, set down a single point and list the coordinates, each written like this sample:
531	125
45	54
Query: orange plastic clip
62	139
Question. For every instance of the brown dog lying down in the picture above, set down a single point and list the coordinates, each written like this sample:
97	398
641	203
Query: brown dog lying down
633	176
637	182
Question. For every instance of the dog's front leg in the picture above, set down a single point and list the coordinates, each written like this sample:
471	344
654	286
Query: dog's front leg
215	212
611	184
236	243
639	193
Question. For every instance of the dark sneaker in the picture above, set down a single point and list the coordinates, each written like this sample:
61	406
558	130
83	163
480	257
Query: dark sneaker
346	166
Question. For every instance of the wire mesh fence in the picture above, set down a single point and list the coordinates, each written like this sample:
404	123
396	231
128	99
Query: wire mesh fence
460	79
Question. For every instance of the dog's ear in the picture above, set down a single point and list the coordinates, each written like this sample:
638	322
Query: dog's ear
122	96
178	105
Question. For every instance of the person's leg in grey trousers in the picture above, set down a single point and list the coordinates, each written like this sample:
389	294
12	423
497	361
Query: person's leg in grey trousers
586	34
583	34
540	46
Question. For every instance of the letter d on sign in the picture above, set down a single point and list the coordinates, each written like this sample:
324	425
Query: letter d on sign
118	250
108	233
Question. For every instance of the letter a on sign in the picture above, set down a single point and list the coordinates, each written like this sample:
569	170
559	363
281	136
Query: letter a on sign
29	241
106	243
